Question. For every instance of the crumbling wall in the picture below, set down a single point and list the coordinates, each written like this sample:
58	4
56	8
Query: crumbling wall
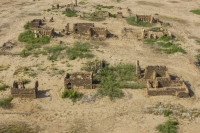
99	32
119	15
160	71
19	90
47	31
36	23
82	28
144	18
78	81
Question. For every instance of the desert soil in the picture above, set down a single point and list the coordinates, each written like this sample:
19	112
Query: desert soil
51	114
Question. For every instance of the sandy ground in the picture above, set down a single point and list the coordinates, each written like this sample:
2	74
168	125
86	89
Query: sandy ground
55	115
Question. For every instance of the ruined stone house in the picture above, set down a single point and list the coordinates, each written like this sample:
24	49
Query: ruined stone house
147	18
78	80
45	31
155	34
88	29
19	90
160	82
36	23
119	15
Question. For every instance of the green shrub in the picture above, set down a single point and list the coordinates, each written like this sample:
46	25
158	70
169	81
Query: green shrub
168	127
3	86
82	3
173	49
132	21
32	74
197	11
113	15
4	102
115	77
101	6
197	57
24	53
166	24
71	94
165	38
109	88
118	0
198	41
155	29
131	85
28	36
79	50
167	112
70	14
31	46
26	26
149	41
25	81
54	51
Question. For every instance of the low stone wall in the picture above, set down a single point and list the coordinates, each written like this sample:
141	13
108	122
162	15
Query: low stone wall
24	93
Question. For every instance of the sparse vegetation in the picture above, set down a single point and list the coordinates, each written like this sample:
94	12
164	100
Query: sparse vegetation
2	68
3	86
79	50
25	81
113	15
168	127
70	14
71	94
118	0
28	36
54	51
165	45
198	42
115	77
98	7
82	3
132	21
149	3
197	11
17	128
26	26
5	102
166	24
167	112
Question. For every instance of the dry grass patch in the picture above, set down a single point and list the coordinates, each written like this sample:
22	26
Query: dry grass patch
149	3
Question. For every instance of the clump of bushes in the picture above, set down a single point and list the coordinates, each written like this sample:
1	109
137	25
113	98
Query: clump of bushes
82	3
102	6
71	94
113	78
25	81
167	112
28	36
168	127
5	102
3	86
132	21
79	50
197	11
165	45
54	51
26	26
70	14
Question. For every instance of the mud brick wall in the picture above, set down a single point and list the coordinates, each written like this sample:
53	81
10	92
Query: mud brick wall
82	28
99	32
160	70
78	81
24	93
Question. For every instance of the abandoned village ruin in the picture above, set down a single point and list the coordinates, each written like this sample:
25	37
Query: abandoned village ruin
160	82
19	90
